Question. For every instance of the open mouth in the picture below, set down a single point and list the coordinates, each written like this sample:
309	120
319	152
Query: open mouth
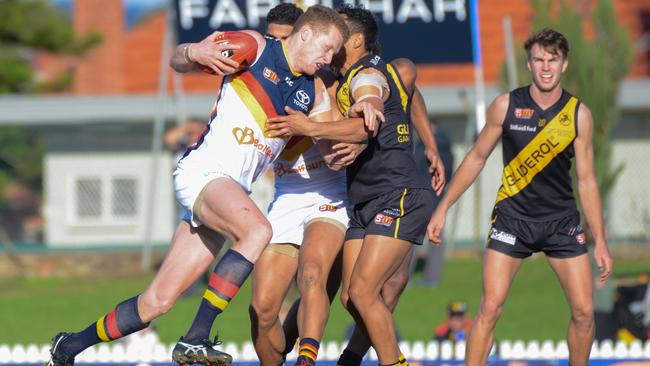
546	77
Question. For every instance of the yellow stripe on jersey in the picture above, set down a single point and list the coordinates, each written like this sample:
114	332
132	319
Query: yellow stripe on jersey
343	94
215	300
251	103
286	56
540	151
101	331
403	97
292	153
401	213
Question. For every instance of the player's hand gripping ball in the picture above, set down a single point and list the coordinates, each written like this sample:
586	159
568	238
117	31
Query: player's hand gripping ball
244	55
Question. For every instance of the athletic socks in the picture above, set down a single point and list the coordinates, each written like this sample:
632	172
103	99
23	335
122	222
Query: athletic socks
122	321
307	352
349	358
228	276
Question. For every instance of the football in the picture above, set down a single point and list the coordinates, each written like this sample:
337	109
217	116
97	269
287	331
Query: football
246	53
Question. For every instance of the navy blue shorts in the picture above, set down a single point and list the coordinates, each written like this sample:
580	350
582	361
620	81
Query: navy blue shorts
401	214
518	238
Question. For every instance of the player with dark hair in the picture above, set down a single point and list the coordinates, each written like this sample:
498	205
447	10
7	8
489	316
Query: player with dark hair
212	182
280	20
391	201
542	128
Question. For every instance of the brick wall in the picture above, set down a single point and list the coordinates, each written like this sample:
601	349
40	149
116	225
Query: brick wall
101	70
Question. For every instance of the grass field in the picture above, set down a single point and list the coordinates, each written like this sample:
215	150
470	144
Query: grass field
32	311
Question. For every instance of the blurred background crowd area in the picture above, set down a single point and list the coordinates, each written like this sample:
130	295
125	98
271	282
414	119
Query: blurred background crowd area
92	120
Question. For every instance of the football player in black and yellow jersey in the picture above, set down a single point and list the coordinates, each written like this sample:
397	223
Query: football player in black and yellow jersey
391	202
542	128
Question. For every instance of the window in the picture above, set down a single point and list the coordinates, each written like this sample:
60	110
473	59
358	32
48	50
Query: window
89	198
124	197
105	200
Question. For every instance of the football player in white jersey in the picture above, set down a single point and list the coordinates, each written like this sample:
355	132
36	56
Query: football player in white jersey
217	196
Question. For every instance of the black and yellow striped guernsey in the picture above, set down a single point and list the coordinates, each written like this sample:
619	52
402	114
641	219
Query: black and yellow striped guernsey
537	151
387	163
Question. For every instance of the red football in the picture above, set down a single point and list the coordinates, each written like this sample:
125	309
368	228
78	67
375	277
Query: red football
246	53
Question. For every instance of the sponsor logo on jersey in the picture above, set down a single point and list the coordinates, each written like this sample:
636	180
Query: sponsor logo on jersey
524	113
403	133
328	208
560	132
564	119
529	163
523	128
392	212
288	81
271	76
384	220
246	136
375	60
502	236
279	170
302	100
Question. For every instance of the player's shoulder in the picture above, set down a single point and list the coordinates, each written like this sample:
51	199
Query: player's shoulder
584	118
405	67
584	111
369	70
407	72
498	109
501	103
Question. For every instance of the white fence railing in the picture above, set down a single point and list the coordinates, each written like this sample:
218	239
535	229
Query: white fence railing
330	351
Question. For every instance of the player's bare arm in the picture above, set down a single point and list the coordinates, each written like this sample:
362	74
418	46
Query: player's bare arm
421	123
471	166
369	106
588	190
297	124
188	57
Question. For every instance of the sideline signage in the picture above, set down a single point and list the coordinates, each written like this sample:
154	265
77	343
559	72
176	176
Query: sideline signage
426	31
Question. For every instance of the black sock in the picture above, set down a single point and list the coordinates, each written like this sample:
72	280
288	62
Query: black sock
349	358
122	321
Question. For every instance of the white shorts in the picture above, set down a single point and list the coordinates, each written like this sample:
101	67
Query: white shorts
188	184
290	213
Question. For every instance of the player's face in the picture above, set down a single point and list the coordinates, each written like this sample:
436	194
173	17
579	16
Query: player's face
546	68
319	49
279	31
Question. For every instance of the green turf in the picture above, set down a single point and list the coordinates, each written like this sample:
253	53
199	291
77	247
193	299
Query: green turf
34	310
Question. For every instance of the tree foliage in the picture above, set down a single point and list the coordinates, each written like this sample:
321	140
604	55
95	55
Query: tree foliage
598	63
28	25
